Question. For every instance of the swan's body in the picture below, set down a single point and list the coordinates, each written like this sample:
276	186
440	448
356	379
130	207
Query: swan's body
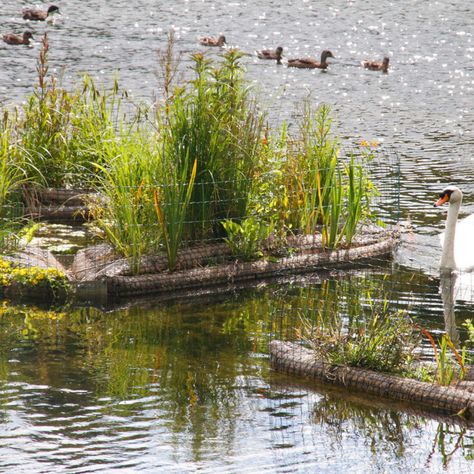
457	240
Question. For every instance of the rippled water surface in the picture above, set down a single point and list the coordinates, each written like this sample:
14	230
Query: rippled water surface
186	387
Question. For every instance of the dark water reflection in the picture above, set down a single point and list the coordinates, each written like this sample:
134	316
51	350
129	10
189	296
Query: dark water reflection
186	387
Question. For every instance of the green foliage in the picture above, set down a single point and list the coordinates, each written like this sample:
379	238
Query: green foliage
311	188
11	179
126	215
171	206
469	326
204	169
246	239
214	122
450	365
383	342
59	135
32	277
379	339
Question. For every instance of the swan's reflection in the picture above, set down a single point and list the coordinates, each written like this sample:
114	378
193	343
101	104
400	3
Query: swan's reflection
455	286
447	286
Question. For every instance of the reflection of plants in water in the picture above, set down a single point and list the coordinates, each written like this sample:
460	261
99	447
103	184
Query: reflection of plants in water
174	361
384	429
257	320
388	429
34	320
449	439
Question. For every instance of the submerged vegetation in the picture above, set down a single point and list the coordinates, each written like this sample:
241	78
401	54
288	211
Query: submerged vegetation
202	167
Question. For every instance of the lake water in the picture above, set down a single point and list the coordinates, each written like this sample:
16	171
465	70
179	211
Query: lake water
186	386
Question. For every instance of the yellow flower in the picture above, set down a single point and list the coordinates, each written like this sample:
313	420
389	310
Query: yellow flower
364	143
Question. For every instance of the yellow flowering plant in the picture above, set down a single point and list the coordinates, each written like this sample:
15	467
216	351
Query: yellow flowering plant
32	277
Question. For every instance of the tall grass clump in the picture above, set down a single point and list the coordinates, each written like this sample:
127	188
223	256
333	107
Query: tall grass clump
214	122
60	133
377	338
172	204
450	363
11	179
314	190
126	212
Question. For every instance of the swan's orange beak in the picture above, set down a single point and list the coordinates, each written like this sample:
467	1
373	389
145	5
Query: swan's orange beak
442	200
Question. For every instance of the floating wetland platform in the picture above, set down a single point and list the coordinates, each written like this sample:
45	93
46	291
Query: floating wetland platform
296	360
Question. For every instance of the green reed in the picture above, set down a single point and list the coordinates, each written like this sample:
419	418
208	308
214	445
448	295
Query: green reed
446	368
171	205
206	153
373	337
214	121
312	188
126	214
60	133
12	178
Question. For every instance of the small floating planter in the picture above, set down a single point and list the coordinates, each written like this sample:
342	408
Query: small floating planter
297	360
37	283
211	265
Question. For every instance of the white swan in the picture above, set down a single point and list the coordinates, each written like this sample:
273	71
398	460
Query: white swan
457	240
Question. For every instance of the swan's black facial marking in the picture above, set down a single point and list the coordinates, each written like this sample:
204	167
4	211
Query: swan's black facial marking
444	196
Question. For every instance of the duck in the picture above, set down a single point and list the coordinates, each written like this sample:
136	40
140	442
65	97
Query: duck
34	14
212	40
270	54
310	63
10	38
458	252
376	65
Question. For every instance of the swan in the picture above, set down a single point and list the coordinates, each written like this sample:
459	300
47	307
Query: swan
457	239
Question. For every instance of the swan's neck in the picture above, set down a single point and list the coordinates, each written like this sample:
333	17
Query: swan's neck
447	258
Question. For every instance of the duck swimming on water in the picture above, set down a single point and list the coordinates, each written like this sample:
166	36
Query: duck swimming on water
310	63
212	40
35	14
271	54
10	38
376	65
